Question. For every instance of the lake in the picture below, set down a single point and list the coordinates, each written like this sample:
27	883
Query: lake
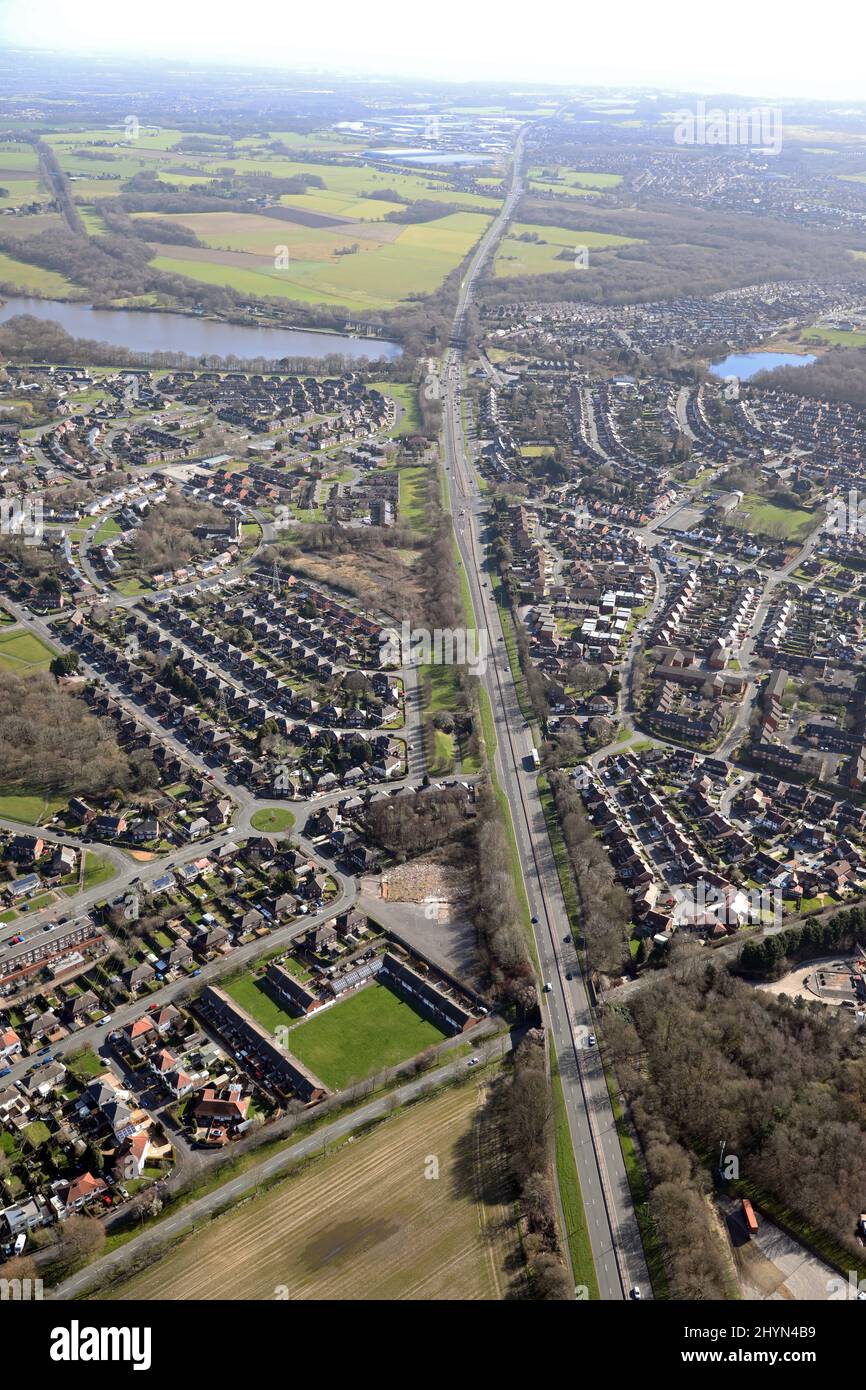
747	364
430	157
147	331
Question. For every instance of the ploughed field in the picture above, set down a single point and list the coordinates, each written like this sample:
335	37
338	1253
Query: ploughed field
365	1222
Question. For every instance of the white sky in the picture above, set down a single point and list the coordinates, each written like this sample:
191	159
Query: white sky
737	47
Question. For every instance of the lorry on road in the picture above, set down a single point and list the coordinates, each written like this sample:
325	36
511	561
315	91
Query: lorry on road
533	760
749	1217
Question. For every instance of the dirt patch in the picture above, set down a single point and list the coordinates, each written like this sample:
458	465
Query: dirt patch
382	582
442	889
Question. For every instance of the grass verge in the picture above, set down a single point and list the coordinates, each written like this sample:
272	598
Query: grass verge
576	1232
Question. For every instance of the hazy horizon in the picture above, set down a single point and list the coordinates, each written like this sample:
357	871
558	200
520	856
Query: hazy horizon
742	51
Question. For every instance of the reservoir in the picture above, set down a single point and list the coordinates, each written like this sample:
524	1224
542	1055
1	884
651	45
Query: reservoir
146	331
747	364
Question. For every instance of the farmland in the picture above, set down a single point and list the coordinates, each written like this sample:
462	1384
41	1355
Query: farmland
571	183
553	250
365	1222
341	250
360	265
360	1036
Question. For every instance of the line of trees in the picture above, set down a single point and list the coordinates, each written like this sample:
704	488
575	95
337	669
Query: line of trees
771	957
605	907
527	1127
496	912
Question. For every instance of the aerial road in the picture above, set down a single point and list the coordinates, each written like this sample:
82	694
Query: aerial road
613	1231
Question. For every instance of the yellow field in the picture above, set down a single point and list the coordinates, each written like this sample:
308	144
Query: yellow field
365	1223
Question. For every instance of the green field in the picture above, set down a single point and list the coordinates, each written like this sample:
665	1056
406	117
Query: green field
360	1036
551	254
836	337
571	183
413	504
20	191
272	820
393	261
788	523
440	758
380	274
97	869
405	396
92	221
35	279
27	807
21	651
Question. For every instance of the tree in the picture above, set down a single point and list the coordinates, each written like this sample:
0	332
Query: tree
587	678
80	1236
66	665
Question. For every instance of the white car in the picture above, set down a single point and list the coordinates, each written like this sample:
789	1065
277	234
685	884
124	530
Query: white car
473	1062
635	1293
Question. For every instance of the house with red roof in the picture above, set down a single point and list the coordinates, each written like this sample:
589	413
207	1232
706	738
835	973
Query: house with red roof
82	1190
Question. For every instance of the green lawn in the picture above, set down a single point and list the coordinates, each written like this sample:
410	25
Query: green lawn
85	1064
841	337
21	651
571	183
788	523
413	505
404	395
362	1035
248	991
130	587
97	869
272	820
27	807
441	757
37	1133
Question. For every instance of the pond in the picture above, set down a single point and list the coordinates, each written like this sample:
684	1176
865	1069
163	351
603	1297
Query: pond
748	364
